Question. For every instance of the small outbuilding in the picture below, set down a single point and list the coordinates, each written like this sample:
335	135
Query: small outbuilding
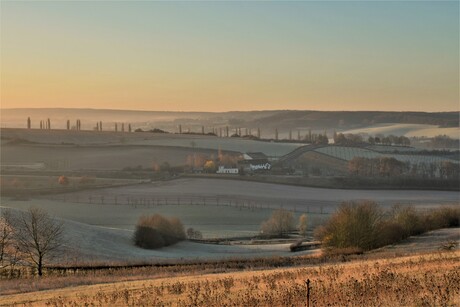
255	161
224	170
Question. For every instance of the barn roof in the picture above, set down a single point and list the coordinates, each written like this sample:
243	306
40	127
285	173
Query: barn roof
257	155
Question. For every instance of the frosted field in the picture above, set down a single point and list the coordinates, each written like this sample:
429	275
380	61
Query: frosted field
110	157
103	233
213	221
391	149
408	130
260	194
86	243
348	153
151	139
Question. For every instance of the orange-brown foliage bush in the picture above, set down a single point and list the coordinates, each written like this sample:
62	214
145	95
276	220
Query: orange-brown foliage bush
156	231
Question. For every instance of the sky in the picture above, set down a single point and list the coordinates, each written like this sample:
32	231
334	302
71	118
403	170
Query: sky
231	55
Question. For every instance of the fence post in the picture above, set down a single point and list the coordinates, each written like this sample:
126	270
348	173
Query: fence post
308	292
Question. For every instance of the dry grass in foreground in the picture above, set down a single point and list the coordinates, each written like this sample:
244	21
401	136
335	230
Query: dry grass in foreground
428	280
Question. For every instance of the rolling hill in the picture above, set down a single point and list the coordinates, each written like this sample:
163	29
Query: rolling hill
267	121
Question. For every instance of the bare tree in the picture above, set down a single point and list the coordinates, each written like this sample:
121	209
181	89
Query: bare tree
6	234
9	251
38	236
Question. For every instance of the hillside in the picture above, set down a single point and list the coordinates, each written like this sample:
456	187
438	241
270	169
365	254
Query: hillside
348	119
267	121
109	139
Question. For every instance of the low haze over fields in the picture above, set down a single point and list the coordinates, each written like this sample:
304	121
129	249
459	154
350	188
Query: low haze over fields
398	123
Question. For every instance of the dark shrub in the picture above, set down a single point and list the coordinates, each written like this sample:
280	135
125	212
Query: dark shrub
446	217
279	224
353	225
389	232
156	231
147	237
409	219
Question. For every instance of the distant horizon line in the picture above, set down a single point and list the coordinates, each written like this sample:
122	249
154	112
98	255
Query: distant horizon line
229	111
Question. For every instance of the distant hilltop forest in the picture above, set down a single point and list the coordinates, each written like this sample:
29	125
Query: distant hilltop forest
284	120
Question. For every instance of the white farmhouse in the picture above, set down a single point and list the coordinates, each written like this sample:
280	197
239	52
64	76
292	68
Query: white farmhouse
255	162
223	170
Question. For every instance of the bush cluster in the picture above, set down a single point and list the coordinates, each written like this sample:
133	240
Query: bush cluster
194	234
365	225
280	223
156	231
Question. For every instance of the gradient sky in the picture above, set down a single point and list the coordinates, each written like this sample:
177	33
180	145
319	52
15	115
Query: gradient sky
219	56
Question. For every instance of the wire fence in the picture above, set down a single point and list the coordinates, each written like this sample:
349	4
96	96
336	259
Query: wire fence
325	207
148	201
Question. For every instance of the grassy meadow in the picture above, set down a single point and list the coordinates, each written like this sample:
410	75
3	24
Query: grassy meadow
423	280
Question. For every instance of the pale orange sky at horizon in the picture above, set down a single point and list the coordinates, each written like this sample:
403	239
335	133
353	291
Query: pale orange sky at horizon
397	56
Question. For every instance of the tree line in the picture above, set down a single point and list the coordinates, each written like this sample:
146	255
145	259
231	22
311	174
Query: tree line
391	167
248	133
365	225
350	139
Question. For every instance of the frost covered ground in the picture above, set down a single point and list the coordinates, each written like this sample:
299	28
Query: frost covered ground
101	231
265	195
85	243
107	138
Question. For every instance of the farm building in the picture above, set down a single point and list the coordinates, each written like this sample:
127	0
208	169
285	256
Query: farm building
254	156
255	161
224	170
